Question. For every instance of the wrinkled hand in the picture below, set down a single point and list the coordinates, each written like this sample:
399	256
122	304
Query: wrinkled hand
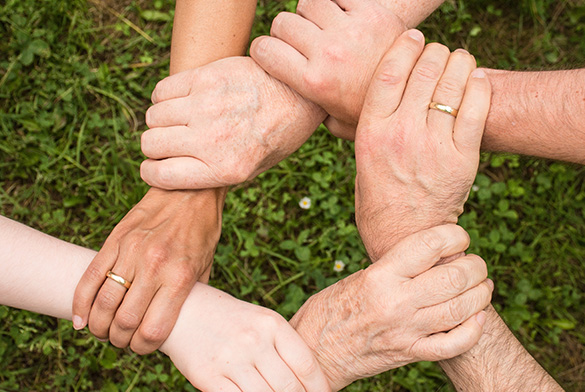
163	246
222	344
222	124
415	165
328	53
400	309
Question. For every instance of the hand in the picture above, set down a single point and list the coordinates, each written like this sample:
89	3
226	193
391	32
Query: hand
222	124
222	344
399	310
328	53
415	165
163	246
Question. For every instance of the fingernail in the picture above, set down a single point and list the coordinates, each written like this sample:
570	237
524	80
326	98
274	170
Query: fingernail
478	74
461	50
480	318
77	322
102	340
416	35
490	283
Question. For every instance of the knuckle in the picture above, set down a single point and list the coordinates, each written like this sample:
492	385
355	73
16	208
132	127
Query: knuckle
127	320
456	277
451	86
292	385
455	311
388	74
335	53
307	367
314	81
152	333
94	273
156	255
107	300
431	240
427	72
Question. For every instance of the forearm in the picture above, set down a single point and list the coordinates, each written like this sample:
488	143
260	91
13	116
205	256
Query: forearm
411	12
538	113
205	31
498	363
208	30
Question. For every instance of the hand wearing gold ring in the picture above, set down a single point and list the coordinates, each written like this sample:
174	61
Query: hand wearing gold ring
119	279
444	108
415	165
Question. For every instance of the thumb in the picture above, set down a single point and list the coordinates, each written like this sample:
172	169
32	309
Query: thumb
419	252
180	173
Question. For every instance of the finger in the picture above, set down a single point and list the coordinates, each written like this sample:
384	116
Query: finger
453	312
175	86
473	113
300	359
107	302
216	385
160	143
455	342
424	78
180	173
172	112
323	13
296	31
277	374
131	312
91	281
446	281
347	5
250	380
159	319
388	83
280	60
450	91
418	252
340	129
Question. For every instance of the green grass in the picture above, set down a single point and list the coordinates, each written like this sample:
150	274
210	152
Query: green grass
75	80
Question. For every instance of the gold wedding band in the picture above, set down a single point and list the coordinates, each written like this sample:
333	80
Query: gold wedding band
443	108
119	279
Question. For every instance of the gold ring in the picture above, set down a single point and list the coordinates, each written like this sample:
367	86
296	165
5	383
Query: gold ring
443	108
119	279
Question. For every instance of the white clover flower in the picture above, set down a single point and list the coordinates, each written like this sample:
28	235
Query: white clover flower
305	203
338	266
475	188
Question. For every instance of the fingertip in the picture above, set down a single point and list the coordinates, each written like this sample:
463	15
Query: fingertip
78	322
479	73
258	47
481	318
415	34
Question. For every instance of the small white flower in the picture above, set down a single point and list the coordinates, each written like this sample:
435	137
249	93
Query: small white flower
475	188
305	203
338	266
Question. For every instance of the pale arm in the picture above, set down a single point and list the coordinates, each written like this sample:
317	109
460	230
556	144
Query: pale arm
219	343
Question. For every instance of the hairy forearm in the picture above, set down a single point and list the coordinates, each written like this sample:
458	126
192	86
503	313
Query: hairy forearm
505	366
411	12
538	113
